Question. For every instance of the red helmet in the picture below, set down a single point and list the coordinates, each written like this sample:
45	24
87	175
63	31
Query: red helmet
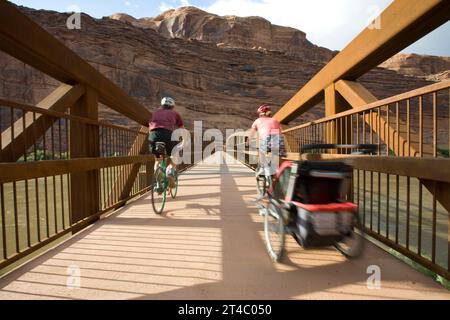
263	109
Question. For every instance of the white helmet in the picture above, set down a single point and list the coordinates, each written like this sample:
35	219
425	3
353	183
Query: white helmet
167	101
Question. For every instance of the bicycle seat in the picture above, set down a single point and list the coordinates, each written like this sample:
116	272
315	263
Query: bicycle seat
160	147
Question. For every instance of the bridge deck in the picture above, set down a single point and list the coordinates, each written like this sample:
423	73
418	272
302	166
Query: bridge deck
209	245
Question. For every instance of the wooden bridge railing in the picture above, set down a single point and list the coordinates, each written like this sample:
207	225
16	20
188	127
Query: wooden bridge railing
61	168
61	172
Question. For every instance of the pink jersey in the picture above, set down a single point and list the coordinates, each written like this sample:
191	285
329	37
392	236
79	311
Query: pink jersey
267	126
166	119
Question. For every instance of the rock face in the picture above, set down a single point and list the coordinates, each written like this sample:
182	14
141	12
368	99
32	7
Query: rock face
255	33
220	84
427	67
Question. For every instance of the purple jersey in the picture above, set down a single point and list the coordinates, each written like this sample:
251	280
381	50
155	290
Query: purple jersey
166	119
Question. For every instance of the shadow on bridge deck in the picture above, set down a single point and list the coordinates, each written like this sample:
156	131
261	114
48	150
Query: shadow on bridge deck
208	245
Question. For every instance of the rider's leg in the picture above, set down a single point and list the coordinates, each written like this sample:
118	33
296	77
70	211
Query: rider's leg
170	171
171	165
153	137
262	172
262	162
278	153
157	164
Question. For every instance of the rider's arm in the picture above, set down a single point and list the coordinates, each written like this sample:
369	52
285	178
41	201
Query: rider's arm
252	134
179	121
254	130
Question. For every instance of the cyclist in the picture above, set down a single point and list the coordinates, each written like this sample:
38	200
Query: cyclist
164	121
270	138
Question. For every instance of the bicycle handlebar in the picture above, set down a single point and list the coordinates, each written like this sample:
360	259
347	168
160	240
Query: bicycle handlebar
366	148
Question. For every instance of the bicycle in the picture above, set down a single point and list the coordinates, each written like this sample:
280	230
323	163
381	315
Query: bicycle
162	184
312	207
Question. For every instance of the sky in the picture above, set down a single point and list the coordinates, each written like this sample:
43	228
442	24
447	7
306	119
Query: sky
327	23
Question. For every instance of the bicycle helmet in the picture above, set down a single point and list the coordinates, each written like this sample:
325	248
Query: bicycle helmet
264	110
168	103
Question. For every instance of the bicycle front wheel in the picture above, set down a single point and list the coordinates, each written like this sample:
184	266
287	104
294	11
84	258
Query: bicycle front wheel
159	191
274	232
261	185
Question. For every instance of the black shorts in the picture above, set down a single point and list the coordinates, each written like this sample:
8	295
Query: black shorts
161	135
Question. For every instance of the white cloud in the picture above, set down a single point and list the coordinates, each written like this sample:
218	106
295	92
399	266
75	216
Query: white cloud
330	23
129	4
164	6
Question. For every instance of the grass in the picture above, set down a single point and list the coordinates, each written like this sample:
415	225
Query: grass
444	153
439	279
427	272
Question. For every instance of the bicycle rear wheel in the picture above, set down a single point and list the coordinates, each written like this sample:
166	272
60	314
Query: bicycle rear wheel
159	191
274	232
174	187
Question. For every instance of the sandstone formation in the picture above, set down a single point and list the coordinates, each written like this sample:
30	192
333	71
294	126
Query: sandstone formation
254	33
424	66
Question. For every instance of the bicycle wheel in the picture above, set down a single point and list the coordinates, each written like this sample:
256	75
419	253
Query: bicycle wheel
159	188
174	185
274	232
352	244
261	185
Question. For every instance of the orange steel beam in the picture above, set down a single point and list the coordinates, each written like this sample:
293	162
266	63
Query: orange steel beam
402	23
408	144
355	93
25	40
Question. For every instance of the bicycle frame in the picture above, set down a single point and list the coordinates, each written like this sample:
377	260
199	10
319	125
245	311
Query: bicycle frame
163	183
